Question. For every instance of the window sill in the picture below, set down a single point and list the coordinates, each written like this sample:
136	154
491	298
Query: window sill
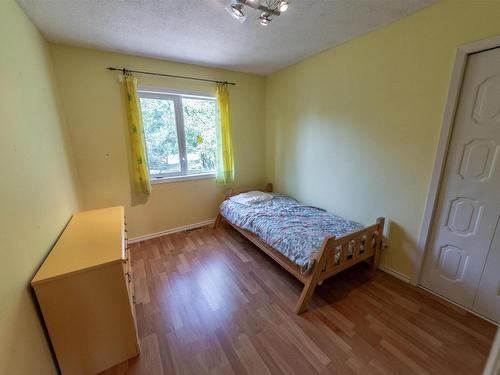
164	180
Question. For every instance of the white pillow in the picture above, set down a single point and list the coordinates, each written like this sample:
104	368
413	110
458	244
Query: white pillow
251	197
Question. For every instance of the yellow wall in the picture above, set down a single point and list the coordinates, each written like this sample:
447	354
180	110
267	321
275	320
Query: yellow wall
355	129
97	122
37	193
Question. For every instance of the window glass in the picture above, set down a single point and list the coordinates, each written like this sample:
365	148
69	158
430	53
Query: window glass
158	116
179	146
199	125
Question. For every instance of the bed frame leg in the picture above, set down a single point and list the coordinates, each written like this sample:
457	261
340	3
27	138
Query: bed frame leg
218	220
314	278
305	296
374	261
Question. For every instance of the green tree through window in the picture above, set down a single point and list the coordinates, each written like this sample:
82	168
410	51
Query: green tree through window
180	134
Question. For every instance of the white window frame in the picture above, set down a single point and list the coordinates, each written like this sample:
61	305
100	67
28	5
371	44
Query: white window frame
176	96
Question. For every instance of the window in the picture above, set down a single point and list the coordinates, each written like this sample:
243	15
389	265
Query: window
180	132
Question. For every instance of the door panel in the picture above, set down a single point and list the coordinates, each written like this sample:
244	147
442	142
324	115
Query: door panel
452	262
478	160
487	301
487	108
468	207
464	216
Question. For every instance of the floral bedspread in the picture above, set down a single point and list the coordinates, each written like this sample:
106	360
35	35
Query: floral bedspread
294	229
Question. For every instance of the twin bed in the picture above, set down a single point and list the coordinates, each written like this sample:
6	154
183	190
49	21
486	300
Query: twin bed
307	241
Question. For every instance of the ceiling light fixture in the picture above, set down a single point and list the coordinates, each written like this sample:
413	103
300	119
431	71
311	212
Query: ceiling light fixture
236	10
269	9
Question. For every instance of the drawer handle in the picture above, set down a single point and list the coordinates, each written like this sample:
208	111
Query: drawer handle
133	300
129	277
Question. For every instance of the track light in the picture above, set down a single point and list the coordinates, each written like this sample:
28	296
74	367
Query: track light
236	10
269	9
264	19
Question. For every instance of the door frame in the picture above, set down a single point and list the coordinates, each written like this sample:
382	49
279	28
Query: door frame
457	76
493	363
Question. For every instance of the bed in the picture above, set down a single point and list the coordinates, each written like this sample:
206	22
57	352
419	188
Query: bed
307	241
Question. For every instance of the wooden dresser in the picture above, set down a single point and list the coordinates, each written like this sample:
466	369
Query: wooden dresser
85	292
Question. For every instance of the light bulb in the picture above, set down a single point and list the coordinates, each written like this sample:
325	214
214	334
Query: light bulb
264	19
283	6
236	11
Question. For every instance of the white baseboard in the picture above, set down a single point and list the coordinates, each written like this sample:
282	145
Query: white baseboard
406	279
456	304
170	231
396	274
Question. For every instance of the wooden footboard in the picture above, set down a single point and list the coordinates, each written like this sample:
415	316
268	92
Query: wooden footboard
339	253
335	255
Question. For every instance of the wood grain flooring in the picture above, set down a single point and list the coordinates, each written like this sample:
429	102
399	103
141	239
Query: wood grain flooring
209	302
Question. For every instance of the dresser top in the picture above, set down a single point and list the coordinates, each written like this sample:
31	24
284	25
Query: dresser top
91	239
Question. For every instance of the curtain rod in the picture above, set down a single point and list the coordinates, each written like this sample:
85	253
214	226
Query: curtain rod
124	70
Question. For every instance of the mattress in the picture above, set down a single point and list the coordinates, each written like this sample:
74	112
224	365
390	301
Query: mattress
294	229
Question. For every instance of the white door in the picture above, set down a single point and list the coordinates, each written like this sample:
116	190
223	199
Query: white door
468	209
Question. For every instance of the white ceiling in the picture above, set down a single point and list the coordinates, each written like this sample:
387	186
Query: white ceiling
202	32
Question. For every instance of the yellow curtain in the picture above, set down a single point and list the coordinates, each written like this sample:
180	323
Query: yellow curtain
140	171
225	161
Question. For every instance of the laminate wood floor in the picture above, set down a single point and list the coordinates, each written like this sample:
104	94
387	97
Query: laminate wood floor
209	302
